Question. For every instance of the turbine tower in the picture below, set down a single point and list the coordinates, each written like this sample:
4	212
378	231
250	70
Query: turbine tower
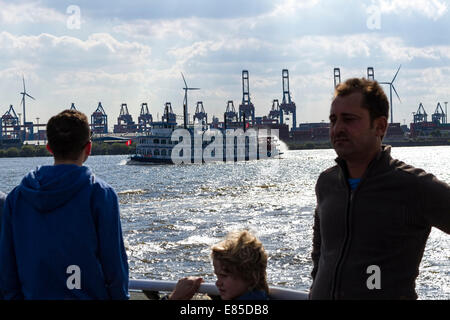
185	102
391	87
24	93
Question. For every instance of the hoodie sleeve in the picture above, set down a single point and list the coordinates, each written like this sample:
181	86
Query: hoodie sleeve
9	279
112	254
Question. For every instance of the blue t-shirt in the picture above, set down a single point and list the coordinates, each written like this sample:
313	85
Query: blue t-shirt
354	182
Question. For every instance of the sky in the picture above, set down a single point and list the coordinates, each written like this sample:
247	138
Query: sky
134	51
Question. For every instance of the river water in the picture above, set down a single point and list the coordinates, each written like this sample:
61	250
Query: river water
171	215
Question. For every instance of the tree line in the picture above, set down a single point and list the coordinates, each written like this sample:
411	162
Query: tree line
98	148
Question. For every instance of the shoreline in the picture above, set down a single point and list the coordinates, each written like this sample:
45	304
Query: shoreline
28	150
121	149
311	145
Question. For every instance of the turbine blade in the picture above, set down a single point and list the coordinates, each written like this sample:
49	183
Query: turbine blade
193	88
184	79
23	80
30	96
396	93
396	74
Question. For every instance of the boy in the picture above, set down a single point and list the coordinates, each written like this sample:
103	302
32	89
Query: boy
61	234
240	263
2	203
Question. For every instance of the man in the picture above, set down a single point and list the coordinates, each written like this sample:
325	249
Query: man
61	235
374	213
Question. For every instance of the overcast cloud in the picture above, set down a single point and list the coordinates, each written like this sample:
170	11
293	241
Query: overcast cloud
133	52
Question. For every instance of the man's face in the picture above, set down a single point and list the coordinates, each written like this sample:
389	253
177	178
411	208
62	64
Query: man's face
351	133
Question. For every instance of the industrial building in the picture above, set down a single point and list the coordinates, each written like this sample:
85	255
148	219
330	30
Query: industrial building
281	116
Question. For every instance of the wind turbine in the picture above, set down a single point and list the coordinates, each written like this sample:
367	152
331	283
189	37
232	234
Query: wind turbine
185	102
24	93
391	87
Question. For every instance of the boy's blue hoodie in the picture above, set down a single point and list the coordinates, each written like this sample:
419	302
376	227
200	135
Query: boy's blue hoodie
59	217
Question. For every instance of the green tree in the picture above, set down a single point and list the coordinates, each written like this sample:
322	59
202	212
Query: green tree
27	151
12	152
119	148
41	151
99	149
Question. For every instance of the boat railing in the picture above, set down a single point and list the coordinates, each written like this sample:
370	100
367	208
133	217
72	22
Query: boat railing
156	286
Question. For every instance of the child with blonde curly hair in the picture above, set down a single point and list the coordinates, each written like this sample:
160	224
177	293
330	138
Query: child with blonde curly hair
240	263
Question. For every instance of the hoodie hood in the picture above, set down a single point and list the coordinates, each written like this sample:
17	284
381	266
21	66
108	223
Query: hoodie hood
49	187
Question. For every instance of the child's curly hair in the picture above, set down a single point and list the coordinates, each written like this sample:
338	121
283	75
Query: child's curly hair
242	254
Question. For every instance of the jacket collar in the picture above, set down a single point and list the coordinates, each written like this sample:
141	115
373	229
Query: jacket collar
378	164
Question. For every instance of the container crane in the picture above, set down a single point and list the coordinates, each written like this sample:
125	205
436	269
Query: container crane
287	106
246	108
99	120
145	118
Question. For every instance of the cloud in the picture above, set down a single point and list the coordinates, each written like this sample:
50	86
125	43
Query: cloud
433	9
291	7
159	29
100	50
28	12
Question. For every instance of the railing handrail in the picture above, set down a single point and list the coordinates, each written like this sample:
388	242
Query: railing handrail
275	293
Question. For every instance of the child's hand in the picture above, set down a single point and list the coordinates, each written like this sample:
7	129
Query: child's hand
186	288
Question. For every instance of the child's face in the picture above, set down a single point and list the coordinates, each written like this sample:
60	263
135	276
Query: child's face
230	286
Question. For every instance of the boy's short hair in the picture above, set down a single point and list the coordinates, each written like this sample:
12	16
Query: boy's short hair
243	255
68	133
374	98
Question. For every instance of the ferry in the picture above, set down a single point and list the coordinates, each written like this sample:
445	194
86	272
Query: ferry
166	143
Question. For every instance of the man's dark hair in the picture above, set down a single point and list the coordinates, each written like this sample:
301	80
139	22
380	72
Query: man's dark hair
375	99
68	133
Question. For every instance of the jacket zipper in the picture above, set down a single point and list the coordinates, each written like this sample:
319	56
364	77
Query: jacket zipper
344	248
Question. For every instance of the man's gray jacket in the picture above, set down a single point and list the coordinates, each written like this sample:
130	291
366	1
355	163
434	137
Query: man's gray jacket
368	243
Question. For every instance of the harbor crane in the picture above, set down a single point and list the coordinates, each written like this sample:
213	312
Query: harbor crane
10	124
168	115
230	113
287	106
200	114
145	118
439	116
337	76
421	115
125	123
370	74
246	108
274	113
99	120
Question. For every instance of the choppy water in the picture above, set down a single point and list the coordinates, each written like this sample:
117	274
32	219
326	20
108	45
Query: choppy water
171	215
